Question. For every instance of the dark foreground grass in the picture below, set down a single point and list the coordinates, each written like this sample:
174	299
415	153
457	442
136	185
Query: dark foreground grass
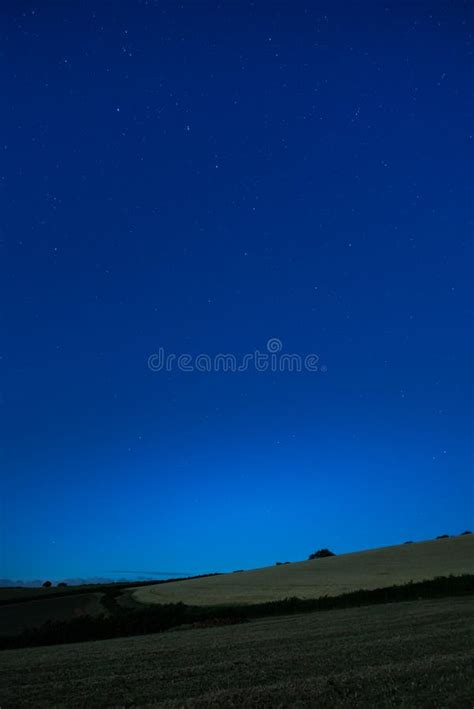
416	654
122	621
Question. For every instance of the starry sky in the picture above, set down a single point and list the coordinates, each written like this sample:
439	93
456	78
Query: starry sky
203	176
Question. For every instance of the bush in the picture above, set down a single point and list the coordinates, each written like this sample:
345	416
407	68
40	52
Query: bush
408	542
63	584
47	584
321	554
466	532
443	536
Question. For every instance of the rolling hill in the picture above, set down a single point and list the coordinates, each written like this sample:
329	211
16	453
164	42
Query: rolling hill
415	654
375	568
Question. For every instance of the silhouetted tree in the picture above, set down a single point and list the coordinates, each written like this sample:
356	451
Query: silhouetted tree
47	584
443	536
466	532
62	584
321	554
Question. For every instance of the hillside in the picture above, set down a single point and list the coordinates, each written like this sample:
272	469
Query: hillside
15	617
402	654
375	568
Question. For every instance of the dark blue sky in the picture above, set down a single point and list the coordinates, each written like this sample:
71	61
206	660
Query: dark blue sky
202	177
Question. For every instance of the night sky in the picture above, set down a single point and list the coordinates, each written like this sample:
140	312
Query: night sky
201	177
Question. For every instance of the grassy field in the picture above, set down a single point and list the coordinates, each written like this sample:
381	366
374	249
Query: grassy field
15	617
15	594
22	608
403	654
332	576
